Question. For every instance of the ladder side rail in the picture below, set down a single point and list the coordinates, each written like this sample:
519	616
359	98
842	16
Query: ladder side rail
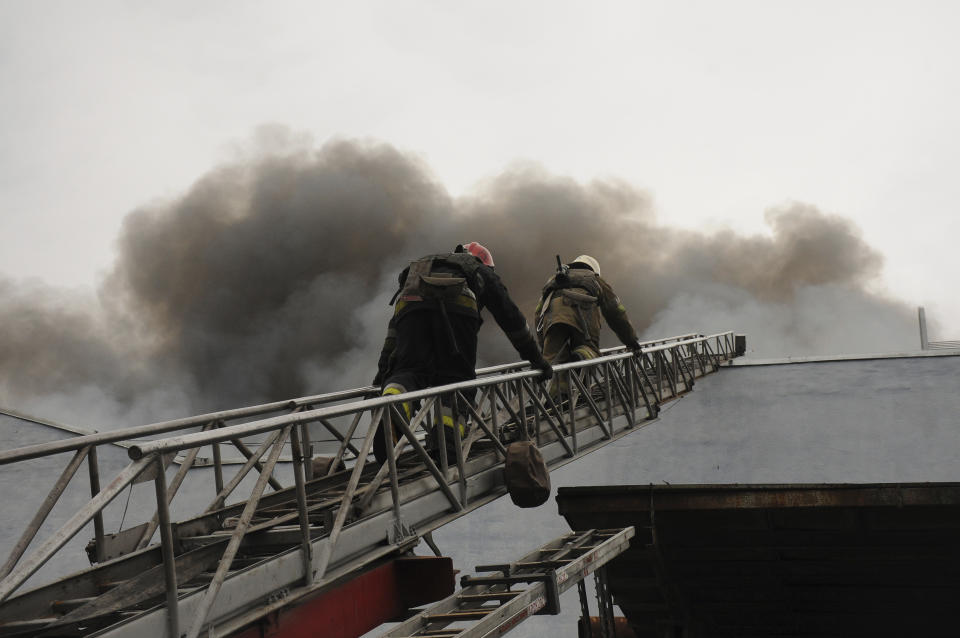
164	427
517	365
239	431
177	443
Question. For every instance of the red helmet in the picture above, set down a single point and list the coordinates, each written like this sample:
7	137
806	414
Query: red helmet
480	253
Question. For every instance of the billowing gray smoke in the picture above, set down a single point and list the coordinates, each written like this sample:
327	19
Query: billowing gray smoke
270	279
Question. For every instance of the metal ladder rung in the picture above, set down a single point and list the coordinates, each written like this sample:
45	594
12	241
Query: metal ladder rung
545	563
470	581
453	616
496	567
498	595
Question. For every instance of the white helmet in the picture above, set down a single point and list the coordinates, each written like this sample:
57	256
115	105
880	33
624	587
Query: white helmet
588	261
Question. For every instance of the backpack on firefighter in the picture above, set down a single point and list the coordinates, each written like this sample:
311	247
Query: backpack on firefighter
442	283
572	296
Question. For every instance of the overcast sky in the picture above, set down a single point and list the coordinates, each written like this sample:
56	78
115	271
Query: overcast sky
719	109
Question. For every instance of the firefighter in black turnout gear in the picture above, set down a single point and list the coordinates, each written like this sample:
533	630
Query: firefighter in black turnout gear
432	336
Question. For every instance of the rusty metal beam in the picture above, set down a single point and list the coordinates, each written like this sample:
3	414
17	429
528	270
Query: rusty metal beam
697	497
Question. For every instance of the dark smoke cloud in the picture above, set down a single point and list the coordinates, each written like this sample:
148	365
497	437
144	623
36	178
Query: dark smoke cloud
260	268
36	350
270	278
693	278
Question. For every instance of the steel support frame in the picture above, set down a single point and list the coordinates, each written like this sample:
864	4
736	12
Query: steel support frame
609	371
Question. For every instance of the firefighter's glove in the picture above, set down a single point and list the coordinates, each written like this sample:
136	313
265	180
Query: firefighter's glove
541	364
634	347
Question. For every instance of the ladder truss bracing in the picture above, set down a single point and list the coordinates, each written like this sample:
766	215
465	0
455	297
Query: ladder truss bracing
230	564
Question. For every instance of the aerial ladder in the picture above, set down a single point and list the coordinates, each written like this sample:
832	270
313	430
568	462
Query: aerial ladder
231	568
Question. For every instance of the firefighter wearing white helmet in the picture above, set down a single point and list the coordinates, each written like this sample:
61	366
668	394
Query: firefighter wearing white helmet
568	315
589	262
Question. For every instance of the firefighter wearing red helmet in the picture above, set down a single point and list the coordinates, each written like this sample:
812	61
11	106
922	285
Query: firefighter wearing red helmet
432	336
568	315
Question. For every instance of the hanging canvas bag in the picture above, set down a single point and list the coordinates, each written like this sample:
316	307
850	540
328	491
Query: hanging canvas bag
527	476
